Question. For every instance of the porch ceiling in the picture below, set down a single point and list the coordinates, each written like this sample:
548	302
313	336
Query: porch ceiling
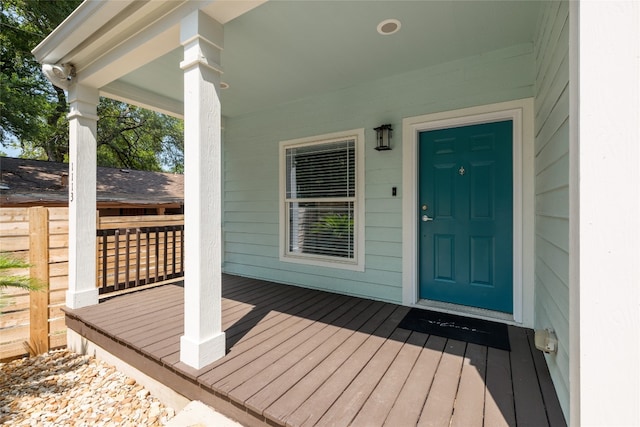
285	50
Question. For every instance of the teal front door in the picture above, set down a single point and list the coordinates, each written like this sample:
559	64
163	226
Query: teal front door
466	215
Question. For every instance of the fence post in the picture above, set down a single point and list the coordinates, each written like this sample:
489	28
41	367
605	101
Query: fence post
39	260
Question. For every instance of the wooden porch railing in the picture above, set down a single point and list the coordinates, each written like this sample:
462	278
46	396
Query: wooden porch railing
139	252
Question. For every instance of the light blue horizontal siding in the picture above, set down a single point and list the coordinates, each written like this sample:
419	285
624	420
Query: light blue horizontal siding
553	204
251	175
551	49
377	219
251	238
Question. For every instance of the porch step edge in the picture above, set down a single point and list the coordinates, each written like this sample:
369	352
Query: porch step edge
197	414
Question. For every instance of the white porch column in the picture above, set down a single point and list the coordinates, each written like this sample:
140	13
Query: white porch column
203	341
605	195
83	120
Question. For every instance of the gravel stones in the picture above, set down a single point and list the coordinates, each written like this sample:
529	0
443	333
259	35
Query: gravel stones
61	388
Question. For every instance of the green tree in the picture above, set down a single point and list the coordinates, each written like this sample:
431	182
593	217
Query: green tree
136	138
33	111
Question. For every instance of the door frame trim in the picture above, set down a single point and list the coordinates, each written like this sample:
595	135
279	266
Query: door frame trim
521	112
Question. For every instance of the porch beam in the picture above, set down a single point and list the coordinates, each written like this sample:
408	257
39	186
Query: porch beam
83	121
203	341
132	94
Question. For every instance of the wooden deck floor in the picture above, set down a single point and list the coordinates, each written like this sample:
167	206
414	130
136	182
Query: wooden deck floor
298	357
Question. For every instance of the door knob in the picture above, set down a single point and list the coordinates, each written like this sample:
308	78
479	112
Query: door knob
426	218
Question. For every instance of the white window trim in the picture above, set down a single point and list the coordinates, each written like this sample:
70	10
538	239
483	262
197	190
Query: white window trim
357	263
521	112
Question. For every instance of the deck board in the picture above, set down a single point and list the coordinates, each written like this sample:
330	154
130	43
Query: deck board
292	343
409	403
169	345
469	408
529	406
129	330
551	403
281	409
315	336
378	406
244	303
278	386
113	313
258	345
157	332
299	357
311	411
354	397
438	408
260	324
499	405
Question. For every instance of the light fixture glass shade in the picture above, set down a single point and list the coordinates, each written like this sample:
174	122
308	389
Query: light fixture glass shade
383	137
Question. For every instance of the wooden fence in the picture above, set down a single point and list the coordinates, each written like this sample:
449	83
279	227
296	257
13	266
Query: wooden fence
33	235
140	251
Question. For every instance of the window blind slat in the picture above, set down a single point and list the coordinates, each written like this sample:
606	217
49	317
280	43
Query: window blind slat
322	170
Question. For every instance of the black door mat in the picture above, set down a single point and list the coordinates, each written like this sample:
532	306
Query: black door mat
477	331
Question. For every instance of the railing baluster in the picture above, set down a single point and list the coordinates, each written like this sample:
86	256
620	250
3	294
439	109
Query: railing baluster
148	267
137	257
116	265
182	250
166	247
127	257
105	253
157	252
173	269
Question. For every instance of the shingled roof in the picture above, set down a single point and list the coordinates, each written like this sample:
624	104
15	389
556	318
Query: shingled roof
29	182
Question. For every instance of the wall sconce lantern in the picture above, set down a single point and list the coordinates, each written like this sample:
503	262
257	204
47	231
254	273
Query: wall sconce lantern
383	137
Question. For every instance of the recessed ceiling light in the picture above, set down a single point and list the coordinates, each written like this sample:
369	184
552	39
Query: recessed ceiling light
389	26
224	85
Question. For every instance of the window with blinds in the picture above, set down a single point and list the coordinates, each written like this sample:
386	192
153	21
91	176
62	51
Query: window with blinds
320	200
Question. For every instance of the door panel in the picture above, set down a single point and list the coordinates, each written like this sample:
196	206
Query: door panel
444	257
481	177
466	192
444	176
482	261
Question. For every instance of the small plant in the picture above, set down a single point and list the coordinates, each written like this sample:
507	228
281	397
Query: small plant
334	236
8	262
339	225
